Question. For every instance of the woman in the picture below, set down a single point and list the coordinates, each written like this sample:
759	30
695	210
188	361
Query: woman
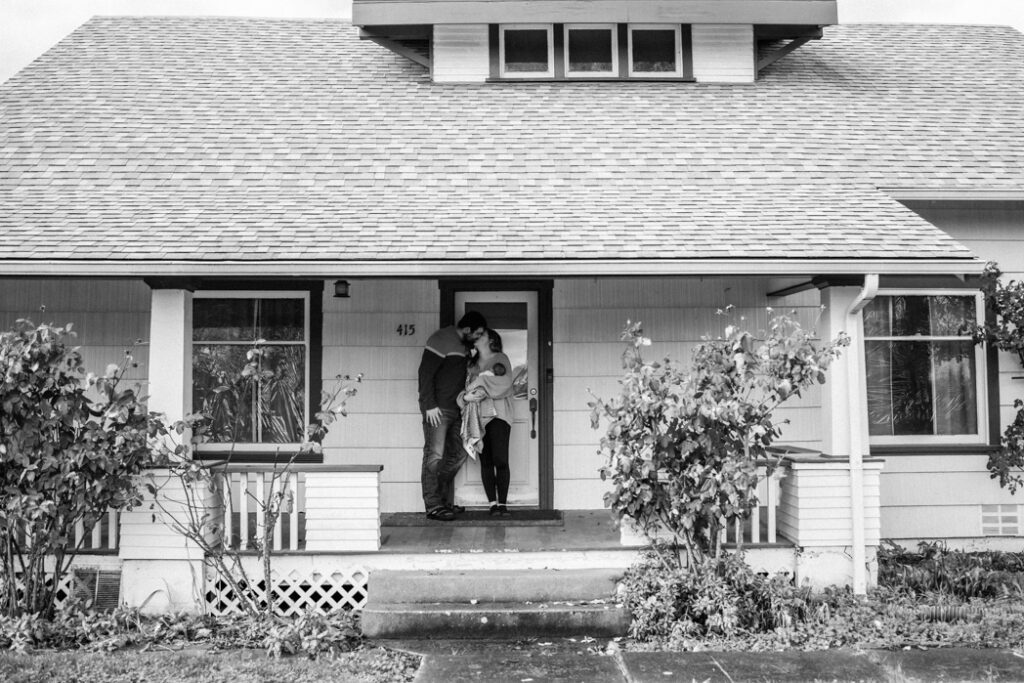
488	399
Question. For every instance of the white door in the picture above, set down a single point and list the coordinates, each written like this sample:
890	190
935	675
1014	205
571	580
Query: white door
514	316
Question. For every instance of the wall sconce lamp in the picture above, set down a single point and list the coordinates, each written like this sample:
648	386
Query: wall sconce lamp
341	288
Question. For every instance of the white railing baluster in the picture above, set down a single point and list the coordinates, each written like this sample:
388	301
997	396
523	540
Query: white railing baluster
275	486
79	532
293	515
227	507
243	510
97	533
260	502
773	501
113	529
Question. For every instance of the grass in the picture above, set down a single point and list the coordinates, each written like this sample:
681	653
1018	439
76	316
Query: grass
369	665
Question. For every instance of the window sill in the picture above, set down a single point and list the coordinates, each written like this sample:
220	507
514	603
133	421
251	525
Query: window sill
934	449
596	79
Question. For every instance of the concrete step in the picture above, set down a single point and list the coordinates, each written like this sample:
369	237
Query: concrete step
493	620
534	585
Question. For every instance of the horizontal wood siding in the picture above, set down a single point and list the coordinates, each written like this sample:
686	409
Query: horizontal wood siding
940	495
460	53
361	336
342	512
723	53
146	532
589	315
814	510
109	317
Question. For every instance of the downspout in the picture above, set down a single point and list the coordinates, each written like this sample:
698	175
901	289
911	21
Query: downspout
857	404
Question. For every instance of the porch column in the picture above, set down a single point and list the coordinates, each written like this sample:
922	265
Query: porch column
844	403
170	353
161	570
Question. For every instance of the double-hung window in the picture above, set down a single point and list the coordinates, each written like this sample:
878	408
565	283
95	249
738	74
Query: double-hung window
925	375
250	368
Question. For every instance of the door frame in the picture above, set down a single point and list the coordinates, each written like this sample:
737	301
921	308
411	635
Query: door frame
546	372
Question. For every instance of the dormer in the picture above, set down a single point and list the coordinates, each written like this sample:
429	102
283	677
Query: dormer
704	41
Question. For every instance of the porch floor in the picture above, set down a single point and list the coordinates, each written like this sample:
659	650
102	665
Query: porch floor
579	530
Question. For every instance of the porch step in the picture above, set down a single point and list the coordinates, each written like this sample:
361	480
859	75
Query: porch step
493	604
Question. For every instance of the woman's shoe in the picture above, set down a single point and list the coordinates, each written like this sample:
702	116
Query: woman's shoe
493	512
503	511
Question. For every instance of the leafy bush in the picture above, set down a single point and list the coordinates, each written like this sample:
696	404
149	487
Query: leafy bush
937	569
72	446
683	443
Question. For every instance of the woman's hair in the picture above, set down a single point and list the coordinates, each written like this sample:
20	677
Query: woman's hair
493	340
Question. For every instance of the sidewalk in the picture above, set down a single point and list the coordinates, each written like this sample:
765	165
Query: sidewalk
590	661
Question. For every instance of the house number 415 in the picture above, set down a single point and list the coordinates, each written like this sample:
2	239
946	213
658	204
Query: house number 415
406	330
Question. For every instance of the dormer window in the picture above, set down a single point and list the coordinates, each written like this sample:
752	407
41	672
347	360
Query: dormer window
655	50
591	50
526	51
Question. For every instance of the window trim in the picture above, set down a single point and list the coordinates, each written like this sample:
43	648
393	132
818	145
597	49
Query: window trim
613	30
549	28
245	449
981	391
676	28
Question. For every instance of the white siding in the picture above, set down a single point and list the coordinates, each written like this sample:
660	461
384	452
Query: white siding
723	53
342	511
814	510
109	317
146	531
460	53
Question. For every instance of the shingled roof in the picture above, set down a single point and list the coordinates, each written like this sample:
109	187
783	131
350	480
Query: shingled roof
145	142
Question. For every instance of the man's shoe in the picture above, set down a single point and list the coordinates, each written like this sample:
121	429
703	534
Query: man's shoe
457	509
441	515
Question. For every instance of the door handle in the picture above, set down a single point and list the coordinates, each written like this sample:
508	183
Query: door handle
533	418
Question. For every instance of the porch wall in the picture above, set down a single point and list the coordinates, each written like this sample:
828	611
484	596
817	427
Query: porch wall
932	495
108	316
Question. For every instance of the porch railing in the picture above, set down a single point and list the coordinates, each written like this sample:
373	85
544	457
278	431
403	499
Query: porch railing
104	536
762	524
326	508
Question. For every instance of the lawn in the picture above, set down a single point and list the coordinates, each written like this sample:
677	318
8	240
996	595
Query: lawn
199	665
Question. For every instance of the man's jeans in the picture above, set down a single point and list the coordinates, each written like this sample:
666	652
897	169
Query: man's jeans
443	456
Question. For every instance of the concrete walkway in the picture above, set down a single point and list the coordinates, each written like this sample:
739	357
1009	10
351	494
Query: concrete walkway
585	660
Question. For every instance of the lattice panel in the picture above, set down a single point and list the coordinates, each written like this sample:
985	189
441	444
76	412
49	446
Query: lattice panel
294	593
65	589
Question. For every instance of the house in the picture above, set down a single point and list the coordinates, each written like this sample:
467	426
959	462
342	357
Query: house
340	191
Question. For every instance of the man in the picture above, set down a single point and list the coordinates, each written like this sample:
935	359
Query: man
442	376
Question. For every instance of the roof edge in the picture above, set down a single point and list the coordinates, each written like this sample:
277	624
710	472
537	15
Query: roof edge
490	268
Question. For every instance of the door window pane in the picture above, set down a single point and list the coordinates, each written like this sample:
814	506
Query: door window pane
590	50
526	50
654	50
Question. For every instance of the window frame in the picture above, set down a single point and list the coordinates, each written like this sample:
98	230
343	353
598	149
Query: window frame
676	28
612	29
205	450
549	28
980	379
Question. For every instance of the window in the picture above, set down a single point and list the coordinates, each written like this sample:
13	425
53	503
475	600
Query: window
924	373
526	51
655	50
591	50
230	329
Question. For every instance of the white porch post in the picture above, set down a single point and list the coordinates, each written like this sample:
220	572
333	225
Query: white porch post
844	402
161	570
170	357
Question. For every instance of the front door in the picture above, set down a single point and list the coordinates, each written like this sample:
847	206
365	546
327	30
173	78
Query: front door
514	316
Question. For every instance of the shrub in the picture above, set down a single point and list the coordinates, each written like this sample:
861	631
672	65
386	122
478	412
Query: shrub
72	446
683	444
937	569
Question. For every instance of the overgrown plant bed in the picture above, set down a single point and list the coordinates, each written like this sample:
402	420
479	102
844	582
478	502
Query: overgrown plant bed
732	608
221	648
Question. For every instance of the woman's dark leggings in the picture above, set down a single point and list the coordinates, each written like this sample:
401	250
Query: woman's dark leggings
494	470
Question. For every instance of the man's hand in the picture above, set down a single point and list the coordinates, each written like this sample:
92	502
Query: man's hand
433	417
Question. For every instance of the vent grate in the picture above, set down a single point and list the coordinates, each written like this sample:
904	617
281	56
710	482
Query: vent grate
1000	520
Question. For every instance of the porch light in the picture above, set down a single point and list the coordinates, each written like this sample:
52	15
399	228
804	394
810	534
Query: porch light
341	288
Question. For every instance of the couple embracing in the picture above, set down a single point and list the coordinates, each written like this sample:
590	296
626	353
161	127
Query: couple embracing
465	389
